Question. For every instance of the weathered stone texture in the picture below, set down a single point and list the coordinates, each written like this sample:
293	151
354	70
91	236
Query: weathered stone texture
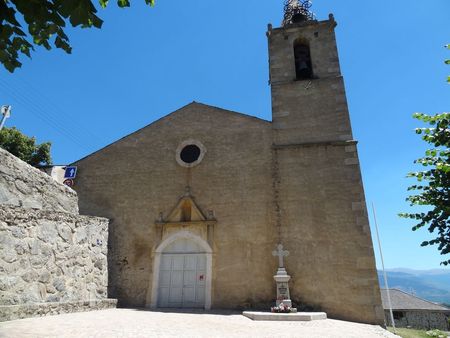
133	180
25	186
48	257
319	189
331	256
319	119
310	110
296	181
421	319
13	312
322	42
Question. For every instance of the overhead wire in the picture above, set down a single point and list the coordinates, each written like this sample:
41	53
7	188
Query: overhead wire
40	114
43	104
54	109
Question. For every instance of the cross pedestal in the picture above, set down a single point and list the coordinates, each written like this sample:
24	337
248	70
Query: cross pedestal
283	297
282	279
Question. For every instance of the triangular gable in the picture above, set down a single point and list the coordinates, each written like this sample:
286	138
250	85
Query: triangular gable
180	111
186	211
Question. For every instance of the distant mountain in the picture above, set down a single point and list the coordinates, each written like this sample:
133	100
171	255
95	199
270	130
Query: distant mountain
432	285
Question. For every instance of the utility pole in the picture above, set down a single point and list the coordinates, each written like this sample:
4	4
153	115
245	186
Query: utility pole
6	112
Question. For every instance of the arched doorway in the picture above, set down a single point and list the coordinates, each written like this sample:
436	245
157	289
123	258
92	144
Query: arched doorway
182	272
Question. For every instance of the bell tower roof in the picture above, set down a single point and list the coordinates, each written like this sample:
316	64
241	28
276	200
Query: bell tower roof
296	11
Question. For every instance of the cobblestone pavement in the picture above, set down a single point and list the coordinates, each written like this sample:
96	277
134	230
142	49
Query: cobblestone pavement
140	323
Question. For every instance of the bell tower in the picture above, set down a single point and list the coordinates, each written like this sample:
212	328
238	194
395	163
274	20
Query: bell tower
308	94
319	206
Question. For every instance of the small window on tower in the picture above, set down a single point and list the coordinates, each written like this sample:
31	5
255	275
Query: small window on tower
303	64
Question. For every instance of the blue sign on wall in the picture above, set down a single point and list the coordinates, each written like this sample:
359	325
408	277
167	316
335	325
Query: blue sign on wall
71	172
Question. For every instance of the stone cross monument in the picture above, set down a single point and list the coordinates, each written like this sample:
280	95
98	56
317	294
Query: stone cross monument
280	253
282	278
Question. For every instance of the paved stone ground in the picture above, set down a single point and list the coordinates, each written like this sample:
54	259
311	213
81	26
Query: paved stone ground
140	323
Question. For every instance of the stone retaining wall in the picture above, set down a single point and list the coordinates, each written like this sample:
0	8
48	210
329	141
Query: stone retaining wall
52	260
25	186
51	257
45	309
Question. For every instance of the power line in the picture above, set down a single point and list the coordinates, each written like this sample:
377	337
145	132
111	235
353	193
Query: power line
44	111
42	116
51	107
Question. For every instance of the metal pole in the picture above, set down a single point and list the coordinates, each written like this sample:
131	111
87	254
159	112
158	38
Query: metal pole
6	112
2	122
384	271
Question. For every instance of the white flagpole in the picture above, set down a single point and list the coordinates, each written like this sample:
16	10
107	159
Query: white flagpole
384	271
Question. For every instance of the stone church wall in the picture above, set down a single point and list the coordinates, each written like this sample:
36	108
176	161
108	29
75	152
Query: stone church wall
322	210
295	181
324	222
317	191
51	261
134	180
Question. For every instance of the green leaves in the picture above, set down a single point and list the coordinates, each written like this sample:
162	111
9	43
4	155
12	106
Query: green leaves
434	190
25	147
447	62
45	21
103	3
123	3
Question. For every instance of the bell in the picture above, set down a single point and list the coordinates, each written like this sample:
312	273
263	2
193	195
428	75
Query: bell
299	17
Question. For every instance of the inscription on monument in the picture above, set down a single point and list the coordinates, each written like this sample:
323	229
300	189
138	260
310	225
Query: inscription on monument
283	290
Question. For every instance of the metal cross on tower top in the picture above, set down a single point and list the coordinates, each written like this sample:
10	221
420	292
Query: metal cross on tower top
280	253
296	11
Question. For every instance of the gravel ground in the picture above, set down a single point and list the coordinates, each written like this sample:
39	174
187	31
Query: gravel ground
140	323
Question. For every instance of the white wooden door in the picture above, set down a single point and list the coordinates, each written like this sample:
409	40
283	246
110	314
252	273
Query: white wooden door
182	280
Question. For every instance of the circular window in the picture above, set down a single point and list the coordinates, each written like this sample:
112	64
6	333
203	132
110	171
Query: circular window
190	153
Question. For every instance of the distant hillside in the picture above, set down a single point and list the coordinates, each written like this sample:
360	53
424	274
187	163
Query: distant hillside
432	285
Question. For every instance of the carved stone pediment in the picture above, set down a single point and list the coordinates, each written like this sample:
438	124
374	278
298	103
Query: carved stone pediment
187	215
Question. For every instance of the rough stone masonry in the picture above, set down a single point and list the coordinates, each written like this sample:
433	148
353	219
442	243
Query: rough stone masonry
294	180
52	260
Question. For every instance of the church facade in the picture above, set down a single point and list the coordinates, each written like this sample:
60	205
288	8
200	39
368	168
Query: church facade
199	199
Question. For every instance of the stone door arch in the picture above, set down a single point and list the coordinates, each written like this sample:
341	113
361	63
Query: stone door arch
182	270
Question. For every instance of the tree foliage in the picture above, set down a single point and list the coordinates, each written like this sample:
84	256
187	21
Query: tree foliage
45	21
447	62
25	147
433	188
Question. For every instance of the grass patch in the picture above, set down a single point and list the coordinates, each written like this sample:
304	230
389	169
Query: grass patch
409	333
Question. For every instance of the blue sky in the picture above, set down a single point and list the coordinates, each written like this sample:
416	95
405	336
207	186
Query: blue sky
146	62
